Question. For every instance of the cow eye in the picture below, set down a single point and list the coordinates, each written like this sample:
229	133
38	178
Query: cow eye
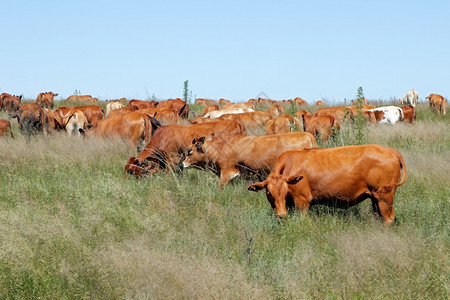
189	152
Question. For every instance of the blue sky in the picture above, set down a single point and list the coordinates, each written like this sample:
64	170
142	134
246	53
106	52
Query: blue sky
226	49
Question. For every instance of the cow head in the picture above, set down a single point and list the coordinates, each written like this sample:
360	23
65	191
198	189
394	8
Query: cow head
196	156
277	188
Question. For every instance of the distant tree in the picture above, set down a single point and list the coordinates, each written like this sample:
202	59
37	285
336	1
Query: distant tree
186	95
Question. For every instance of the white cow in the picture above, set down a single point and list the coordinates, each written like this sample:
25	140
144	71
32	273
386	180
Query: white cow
392	114
217	113
410	98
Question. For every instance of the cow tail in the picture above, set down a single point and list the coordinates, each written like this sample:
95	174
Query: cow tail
387	189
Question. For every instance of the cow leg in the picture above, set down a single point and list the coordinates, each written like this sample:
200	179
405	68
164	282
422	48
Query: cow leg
383	204
302	199
228	174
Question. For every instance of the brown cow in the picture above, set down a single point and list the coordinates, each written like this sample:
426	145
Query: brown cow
93	113
166	116
284	124
275	111
134	127
320	103
5	128
81	98
34	121
180	106
339	113
169	144
320	126
300	101
438	103
243	155
120	111
209	108
45	100
251	120
223	102
266	101
409	114
338	177
204	102
10	103
140	104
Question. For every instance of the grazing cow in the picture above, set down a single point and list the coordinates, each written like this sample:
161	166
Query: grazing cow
370	116
113	105
3	96
320	126
320	103
338	177
223	102
204	102
410	98
283	124
340	113
266	101
45	100
275	110
300	101
34	121
10	103
76	121
168	145
409	114
209	108
134	127
243	155
93	113
438	103
392	114
5	128
81	98
253	102
180	106
140	104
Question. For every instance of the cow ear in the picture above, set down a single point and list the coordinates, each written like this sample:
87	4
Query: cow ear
293	179
257	186
193	141
82	132
201	140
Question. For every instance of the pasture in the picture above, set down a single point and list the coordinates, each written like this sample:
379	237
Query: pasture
72	226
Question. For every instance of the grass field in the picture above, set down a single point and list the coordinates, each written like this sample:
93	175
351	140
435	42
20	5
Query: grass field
72	226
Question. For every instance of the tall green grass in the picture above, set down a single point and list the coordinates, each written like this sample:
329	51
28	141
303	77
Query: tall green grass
72	226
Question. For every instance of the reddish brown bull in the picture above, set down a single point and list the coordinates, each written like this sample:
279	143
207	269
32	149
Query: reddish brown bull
338	177
438	103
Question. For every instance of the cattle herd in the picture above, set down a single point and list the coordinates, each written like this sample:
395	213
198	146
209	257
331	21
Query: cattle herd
285	161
